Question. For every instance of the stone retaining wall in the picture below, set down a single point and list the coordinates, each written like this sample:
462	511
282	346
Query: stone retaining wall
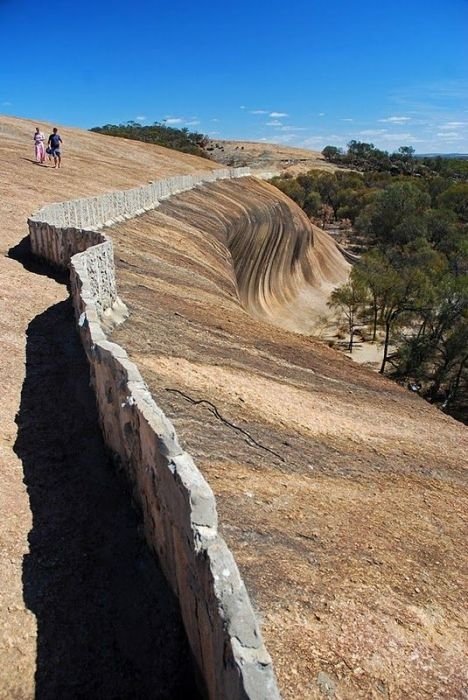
178	506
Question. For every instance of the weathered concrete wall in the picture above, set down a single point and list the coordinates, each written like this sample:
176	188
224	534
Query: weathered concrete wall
178	506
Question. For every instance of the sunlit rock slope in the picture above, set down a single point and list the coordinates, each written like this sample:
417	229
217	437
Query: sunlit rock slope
341	494
35	522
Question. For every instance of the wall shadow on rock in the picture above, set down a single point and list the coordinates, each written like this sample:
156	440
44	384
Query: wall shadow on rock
108	625
22	253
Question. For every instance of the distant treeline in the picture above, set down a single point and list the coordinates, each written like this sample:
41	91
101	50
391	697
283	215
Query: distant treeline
410	287
160	134
366	157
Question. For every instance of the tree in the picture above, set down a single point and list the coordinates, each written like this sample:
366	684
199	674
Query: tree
406	152
455	198
332	153
312	204
291	188
404	294
372	272
436	355
327	186
395	215
350	298
170	137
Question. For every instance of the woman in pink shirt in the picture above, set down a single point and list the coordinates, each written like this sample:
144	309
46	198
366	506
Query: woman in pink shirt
39	146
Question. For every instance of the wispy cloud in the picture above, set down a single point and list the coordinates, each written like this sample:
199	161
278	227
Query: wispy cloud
284	138
394	140
449	136
452	125
214	120
372	132
278	114
242	107
192	121
395	120
287	127
141	118
258	111
431	97
6	104
321	114
274	123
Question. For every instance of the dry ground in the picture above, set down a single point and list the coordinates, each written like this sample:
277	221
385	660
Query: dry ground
272	157
46	456
342	495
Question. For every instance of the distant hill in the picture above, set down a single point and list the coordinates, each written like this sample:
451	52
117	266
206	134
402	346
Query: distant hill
456	156
267	157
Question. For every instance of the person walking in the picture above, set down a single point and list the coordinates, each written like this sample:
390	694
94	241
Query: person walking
54	144
39	148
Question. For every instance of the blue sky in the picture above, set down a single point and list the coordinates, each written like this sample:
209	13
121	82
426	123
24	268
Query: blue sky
295	72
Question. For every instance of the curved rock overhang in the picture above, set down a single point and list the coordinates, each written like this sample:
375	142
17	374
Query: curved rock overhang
277	254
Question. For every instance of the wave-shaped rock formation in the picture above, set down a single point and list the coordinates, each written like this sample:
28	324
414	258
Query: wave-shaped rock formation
342	496
285	268
340	493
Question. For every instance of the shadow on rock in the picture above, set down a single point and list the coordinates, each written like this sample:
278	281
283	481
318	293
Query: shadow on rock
23	254
108	625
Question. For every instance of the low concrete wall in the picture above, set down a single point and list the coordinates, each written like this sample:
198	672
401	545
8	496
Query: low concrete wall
178	506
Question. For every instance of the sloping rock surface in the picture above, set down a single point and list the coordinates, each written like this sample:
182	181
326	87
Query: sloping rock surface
74	577
342	495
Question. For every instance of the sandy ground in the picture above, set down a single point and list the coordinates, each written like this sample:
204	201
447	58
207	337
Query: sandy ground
342	495
34	570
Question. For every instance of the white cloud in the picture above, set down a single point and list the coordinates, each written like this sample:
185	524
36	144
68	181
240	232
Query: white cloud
259	111
192	122
215	120
141	118
372	132
242	107
396	120
452	125
278	114
449	135
321	114
274	123
347	120
173	120
286	127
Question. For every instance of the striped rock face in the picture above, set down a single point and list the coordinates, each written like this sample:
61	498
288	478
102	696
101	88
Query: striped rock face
341	494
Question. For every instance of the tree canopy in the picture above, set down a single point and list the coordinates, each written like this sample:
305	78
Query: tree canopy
160	134
410	286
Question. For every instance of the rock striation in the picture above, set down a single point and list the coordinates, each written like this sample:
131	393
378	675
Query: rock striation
277	254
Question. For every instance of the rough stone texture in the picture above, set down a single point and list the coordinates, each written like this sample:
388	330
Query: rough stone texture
178	506
347	516
30	293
